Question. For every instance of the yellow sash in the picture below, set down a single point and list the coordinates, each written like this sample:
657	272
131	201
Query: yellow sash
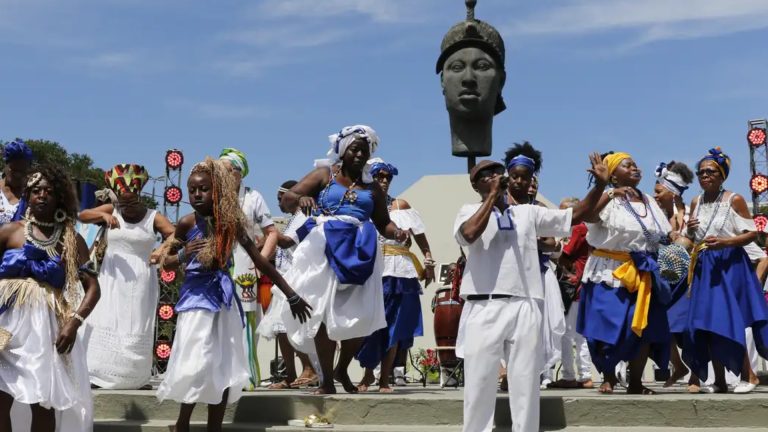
393	250
700	247
634	281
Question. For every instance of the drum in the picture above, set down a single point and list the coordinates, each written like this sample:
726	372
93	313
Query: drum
447	308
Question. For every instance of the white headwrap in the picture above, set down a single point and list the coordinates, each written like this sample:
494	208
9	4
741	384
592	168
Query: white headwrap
671	181
342	140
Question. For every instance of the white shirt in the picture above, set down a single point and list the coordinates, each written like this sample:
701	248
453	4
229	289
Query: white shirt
284	257
725	223
258	216
507	261
400	265
618	230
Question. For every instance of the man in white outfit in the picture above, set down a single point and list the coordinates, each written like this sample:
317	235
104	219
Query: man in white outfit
502	286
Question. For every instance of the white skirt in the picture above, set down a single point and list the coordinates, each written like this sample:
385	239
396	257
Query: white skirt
348	311
33	372
207	357
553	320
272	323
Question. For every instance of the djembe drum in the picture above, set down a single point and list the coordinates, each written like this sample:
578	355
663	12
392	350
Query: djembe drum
447	306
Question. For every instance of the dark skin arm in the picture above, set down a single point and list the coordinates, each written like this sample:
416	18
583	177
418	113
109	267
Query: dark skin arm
588	209
302	193
66	339
300	309
182	229
102	213
474	227
380	216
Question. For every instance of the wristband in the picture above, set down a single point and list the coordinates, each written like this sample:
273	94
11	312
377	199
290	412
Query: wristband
610	193
78	317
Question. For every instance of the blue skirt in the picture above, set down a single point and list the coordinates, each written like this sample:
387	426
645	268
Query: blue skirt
605	320
402	305
677	310
726	298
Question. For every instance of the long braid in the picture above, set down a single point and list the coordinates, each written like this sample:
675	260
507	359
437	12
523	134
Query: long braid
228	217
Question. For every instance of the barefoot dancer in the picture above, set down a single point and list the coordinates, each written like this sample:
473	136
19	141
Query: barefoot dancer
337	267
622	309
208	362
726	296
402	272
502	285
42	361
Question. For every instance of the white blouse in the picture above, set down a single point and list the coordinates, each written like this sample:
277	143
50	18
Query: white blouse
725	222
619	230
398	265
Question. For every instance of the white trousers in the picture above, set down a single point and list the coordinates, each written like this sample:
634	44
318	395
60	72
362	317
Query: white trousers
572	339
492	330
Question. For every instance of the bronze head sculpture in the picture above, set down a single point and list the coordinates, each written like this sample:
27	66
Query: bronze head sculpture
472	75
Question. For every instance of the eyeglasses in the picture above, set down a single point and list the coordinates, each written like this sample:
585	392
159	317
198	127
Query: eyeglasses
707	172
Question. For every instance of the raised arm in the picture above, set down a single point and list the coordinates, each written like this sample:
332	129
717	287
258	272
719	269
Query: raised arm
474	227
102	213
588	209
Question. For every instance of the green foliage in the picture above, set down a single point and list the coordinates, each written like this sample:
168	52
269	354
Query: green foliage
79	166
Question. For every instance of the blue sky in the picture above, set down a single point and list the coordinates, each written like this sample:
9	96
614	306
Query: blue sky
124	80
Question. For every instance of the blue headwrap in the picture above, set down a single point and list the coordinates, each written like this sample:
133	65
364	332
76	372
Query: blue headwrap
522	160
17	150
721	159
378	164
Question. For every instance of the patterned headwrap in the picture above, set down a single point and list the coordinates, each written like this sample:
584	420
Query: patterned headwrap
522	160
721	159
342	140
126	178
378	164
236	158
671	181
17	150
613	160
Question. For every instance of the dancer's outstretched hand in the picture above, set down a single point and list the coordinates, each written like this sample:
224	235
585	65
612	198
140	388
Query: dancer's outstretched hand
301	310
599	170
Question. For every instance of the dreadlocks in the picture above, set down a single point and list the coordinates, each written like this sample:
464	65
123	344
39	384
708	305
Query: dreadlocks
227	219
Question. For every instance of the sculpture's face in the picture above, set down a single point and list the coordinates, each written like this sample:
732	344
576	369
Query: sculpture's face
471	82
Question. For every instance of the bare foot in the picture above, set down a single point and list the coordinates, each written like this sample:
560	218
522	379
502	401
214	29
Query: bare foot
606	387
386	390
640	390
694	388
343	378
588	384
676	376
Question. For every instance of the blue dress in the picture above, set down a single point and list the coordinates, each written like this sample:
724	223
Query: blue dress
402	302
208	354
726	297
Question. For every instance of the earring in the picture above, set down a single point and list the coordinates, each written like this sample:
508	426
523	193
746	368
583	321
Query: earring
60	216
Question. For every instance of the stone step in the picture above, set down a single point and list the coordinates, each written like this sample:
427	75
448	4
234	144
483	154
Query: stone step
163	426
415	406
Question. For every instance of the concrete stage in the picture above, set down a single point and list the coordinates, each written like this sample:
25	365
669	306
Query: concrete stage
414	408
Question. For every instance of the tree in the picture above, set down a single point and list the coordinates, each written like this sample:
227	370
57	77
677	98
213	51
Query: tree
79	166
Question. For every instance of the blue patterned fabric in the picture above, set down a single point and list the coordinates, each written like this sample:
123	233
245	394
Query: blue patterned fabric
331	201
205	288
726	298
402	306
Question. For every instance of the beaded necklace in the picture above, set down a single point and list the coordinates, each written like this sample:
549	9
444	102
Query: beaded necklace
350	195
652	238
715	212
50	244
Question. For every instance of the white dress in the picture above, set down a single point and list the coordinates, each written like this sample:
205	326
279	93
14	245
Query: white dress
120	331
7	210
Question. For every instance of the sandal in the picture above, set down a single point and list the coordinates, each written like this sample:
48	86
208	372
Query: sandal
643	391
311	381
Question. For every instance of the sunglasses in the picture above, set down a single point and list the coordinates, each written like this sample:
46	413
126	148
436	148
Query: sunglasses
490	172
707	172
382	176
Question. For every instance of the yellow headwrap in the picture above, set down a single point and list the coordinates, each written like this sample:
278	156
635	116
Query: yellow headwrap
612	161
